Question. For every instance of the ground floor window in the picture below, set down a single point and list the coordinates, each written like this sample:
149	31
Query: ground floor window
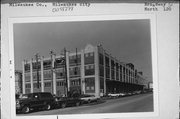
102	83
60	83
90	85
75	82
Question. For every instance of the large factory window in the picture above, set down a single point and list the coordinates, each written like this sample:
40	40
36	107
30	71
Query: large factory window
60	73
28	85
90	85
47	64
48	75
47	84
35	76
89	70
107	72
89	58
74	71
27	67
27	77
36	66
101	71
75	59
107	61
101	59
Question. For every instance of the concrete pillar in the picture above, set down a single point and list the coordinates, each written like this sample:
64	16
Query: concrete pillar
104	72
67	66
42	75
97	80
31	75
54	76
82	73
23	78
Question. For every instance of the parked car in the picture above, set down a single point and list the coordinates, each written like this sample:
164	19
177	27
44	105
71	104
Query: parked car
88	98
113	94
137	92
56	98
122	94
70	100
32	101
129	93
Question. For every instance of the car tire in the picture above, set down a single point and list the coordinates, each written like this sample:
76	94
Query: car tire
25	109
47	107
63	105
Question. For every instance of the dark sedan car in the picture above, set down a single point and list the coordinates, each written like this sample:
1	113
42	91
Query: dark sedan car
68	101
32	101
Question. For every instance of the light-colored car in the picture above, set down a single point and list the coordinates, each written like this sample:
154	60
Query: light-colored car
122	94
88	98
113	94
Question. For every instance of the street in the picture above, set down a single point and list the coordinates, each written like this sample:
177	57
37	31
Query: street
135	103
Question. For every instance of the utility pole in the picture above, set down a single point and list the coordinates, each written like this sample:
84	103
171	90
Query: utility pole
37	56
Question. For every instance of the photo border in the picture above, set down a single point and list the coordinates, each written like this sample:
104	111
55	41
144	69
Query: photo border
152	18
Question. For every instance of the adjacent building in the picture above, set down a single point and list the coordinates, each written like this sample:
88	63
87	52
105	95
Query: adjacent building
18	82
90	71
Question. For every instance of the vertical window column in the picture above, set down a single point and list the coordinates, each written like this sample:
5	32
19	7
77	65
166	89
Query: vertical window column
104	71
119	71
110	77
127	74
115	78
124	74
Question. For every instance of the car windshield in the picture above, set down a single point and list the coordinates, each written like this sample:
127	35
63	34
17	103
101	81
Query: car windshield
24	96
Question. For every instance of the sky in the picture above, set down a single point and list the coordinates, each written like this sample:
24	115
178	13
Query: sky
127	40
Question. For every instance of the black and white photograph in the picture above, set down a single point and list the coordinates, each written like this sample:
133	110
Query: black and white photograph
89	59
83	67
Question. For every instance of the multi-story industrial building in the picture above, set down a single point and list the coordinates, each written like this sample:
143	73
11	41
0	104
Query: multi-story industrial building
89	71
